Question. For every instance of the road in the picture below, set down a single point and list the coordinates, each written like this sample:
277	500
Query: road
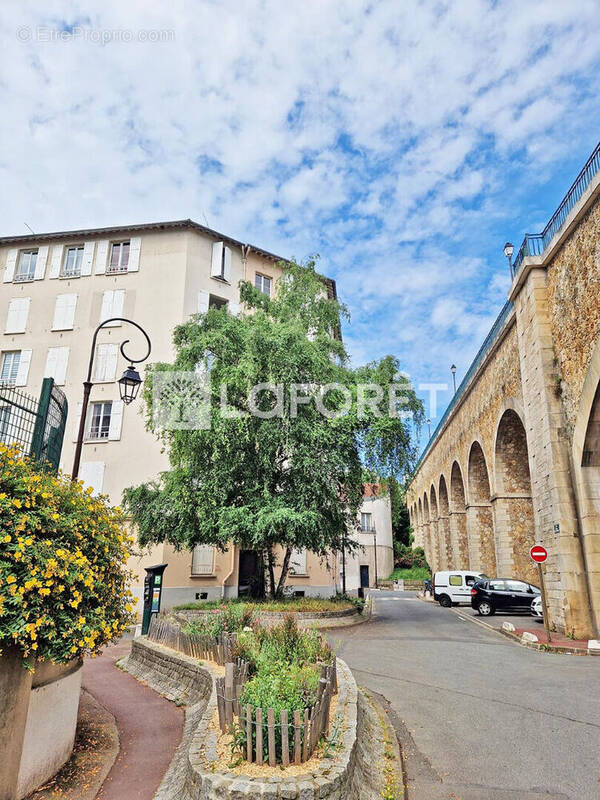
480	717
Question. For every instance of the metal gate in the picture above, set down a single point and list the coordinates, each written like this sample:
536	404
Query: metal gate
37	426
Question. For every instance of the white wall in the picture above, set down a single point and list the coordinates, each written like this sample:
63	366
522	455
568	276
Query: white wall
49	732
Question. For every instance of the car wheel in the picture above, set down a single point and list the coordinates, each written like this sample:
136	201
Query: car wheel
485	608
445	601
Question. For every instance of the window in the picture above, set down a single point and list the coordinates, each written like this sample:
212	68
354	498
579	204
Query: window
112	305
4	424
298	562
26	268
119	257
455	580
106	363
100	421
263	284
216	302
497	586
10	366
73	260
203	559
64	312
517	586
366	522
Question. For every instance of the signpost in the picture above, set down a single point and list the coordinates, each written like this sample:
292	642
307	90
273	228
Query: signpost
539	554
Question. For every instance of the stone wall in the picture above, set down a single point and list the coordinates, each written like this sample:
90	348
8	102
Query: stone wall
191	775
304	619
520	453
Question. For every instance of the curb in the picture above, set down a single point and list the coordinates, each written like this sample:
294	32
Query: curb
539	646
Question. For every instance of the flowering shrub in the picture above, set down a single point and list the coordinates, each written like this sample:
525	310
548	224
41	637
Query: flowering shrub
63	583
228	618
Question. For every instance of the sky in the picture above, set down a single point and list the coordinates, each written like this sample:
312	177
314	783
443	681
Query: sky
402	141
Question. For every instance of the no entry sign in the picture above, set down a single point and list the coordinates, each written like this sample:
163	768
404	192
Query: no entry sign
538	554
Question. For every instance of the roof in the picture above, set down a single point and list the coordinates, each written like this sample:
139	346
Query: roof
180	224
371	489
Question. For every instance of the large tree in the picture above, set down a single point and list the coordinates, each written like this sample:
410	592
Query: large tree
291	475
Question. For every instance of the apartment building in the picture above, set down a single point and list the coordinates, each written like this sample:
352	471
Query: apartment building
58	287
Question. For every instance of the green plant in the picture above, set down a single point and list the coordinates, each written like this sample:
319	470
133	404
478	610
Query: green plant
63	582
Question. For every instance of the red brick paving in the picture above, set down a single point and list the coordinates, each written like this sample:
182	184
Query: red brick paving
150	727
556	639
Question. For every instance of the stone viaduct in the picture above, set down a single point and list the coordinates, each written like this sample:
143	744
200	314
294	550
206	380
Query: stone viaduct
515	460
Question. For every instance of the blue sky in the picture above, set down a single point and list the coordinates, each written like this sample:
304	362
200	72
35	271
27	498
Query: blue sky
404	142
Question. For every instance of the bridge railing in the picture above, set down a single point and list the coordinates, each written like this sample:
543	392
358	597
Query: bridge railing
485	348
534	244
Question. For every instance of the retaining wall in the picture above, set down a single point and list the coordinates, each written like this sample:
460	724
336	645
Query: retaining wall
304	619
191	776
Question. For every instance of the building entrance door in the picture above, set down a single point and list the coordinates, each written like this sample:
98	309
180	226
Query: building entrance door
251	581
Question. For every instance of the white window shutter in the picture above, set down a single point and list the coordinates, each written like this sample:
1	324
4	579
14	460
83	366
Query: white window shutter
217	257
88	258
117	300
77	420
203	559
100	365
16	319
116	420
23	371
56	261
64	312
40	263
112	354
203	298
92	474
227	265
11	263
56	364
234	308
107	304
51	358
298	561
101	256
135	244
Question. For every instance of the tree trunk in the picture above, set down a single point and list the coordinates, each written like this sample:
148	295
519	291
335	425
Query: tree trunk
271	563
284	571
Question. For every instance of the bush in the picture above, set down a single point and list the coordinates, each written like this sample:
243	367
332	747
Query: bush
405	557
63	583
229	618
335	603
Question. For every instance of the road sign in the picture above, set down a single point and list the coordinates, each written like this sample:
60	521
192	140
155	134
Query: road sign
538	554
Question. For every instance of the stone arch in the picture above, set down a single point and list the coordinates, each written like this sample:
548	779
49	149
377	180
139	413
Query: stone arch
480	522
512	504
586	474
426	529
446	554
458	518
433	530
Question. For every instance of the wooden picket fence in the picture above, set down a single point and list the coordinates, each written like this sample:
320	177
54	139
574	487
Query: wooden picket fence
202	647
277	737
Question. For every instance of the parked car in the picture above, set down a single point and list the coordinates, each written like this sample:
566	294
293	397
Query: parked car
498	594
454	586
536	608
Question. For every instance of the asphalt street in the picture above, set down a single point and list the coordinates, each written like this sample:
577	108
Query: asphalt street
479	717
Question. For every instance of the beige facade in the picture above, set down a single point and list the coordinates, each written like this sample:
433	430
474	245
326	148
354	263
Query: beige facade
49	309
516	460
373	561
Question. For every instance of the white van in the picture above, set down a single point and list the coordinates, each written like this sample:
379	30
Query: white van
454	586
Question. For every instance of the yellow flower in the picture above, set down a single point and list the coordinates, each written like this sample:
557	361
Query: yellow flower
45	591
11	579
7	539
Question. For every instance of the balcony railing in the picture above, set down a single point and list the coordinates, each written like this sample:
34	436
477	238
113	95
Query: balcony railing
534	244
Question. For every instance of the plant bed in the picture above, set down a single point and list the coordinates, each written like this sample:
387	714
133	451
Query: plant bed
309	605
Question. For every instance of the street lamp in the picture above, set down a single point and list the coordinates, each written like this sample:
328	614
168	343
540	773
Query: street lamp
429	426
375	554
453	371
129	384
508	251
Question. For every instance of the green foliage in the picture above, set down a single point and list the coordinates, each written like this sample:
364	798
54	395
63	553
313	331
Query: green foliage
306	604
292	480
411	574
406	557
227	618
63	583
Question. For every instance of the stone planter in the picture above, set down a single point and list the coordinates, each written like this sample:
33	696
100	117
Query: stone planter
304	619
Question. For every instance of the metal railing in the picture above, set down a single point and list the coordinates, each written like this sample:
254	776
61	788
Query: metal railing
485	348
535	244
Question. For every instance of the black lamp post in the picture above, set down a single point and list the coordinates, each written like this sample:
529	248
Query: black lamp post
453	371
508	251
429	426
129	384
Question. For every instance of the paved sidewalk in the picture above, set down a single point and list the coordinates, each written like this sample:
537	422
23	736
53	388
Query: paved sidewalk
150	727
